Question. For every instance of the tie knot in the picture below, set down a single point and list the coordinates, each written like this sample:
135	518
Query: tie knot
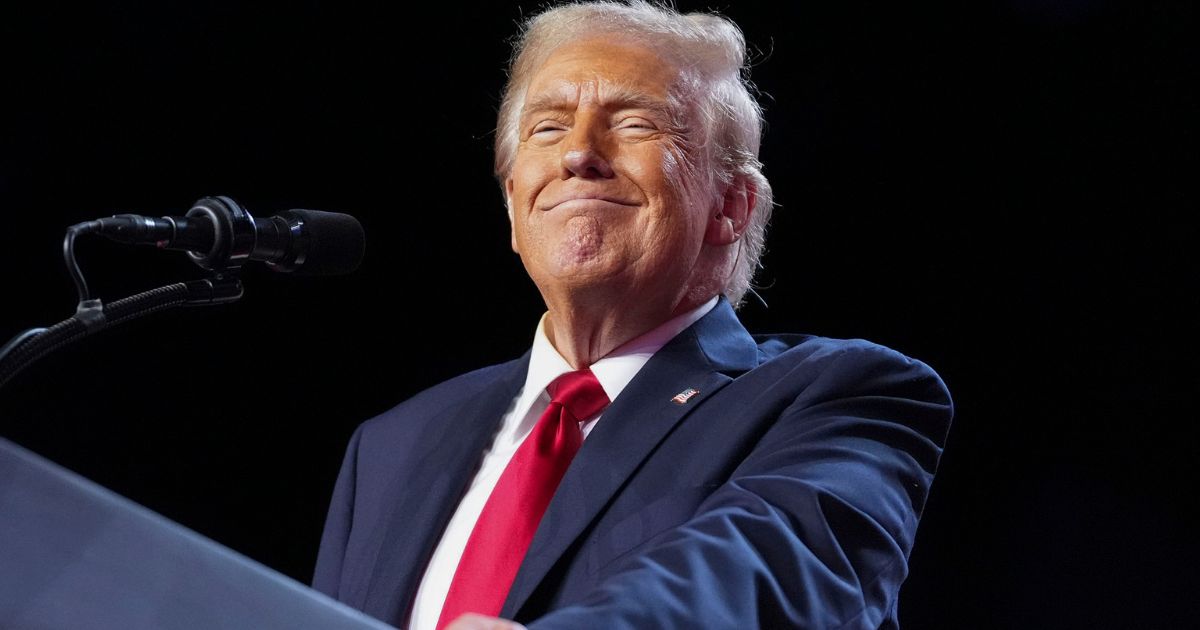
579	392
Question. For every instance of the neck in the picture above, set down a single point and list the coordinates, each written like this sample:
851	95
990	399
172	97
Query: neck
584	334
588	320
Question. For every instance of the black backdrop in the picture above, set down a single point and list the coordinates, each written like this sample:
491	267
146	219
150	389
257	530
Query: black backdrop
999	189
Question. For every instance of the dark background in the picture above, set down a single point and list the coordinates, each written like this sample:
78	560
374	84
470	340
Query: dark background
999	189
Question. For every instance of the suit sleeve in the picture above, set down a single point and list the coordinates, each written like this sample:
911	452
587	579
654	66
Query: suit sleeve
814	527
330	556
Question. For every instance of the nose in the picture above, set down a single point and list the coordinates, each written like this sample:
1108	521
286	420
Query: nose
583	155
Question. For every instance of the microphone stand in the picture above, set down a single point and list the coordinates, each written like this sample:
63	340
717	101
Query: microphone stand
92	315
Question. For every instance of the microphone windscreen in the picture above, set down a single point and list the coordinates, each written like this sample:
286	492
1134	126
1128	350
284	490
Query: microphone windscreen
335	242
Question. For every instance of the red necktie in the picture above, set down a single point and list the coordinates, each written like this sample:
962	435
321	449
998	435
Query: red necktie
511	515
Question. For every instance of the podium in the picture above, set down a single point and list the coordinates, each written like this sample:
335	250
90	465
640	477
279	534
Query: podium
75	555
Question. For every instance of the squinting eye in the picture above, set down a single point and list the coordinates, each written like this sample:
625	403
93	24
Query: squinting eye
546	126
636	123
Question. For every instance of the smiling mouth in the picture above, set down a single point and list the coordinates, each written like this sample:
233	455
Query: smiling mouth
584	202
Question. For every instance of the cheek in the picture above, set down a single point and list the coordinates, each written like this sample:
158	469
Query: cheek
529	175
674	173
521	191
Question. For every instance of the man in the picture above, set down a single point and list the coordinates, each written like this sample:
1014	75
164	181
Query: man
647	463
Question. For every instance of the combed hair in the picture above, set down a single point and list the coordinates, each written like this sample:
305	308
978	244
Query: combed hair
711	51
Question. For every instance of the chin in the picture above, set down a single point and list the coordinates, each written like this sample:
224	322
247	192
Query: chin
579	257
575	271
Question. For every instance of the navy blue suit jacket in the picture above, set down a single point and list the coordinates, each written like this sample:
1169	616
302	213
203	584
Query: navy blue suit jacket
785	493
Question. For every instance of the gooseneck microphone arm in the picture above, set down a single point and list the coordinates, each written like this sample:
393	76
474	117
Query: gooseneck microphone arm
92	316
219	236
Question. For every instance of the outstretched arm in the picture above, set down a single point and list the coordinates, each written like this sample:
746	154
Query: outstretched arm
812	530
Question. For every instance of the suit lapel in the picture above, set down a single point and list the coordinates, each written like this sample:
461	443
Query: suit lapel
703	358
425	494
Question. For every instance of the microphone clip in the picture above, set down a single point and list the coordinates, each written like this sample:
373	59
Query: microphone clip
235	234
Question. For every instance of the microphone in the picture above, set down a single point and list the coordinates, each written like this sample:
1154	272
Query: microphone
219	234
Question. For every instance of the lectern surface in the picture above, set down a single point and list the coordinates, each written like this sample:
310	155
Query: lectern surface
75	555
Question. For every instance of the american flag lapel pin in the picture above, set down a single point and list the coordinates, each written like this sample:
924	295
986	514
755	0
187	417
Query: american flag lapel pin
683	396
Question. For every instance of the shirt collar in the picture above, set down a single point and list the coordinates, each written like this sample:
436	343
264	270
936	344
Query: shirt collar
616	369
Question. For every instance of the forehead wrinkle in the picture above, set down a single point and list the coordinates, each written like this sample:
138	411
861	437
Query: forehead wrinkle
564	95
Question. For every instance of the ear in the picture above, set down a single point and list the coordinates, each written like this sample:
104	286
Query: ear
732	215
508	188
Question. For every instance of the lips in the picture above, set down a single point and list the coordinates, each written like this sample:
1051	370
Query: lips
586	199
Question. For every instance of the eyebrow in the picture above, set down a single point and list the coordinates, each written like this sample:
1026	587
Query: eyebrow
611	98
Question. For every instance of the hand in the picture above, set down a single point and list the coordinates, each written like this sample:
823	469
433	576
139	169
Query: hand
472	621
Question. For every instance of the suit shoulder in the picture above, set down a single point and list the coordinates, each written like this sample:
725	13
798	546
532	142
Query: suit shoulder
433	399
815	347
853	365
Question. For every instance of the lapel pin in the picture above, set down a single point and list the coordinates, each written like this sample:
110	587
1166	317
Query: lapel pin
683	396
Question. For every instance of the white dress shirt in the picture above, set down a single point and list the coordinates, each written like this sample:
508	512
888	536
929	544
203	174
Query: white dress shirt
545	364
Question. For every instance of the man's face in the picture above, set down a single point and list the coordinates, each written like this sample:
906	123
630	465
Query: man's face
603	191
